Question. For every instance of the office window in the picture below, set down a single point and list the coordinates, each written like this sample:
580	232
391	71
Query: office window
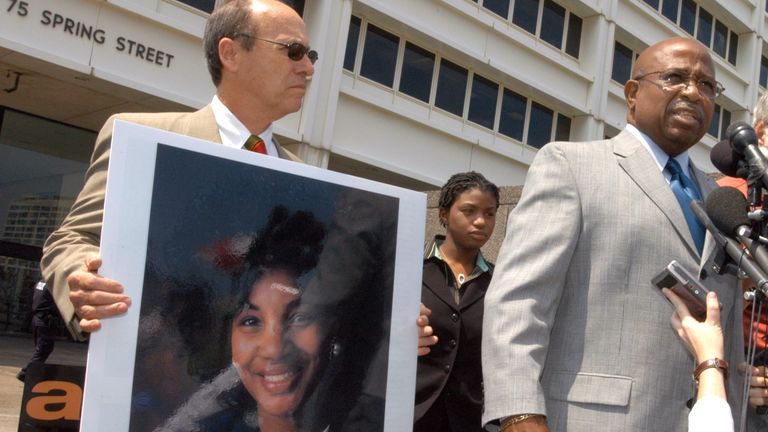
720	43
654	3
416	75
499	7
573	43
721	118
451	87
669	9
733	46
704	30
688	16
203	5
532	123
525	14
512	118
540	125
482	101
714	125
622	63
379	55
352	38
764	72
552	23
563	131
724	122
699	22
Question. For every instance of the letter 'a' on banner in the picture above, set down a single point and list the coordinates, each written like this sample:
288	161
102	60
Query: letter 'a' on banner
52	398
214	245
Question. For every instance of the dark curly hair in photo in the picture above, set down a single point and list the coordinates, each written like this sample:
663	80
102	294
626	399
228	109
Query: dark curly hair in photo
288	242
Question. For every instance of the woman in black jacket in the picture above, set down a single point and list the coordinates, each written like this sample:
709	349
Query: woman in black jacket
449	388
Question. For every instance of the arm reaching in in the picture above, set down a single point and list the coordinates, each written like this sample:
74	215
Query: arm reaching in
705	341
94	296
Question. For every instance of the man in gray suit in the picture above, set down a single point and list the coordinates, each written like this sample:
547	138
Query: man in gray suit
259	59
575	336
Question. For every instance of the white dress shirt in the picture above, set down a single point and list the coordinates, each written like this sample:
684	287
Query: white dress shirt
233	132
659	155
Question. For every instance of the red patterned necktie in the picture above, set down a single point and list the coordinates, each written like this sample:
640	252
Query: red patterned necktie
255	144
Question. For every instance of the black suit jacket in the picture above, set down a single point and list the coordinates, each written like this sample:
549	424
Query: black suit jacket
449	387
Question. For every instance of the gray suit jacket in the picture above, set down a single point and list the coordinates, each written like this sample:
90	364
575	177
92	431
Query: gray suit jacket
573	327
80	232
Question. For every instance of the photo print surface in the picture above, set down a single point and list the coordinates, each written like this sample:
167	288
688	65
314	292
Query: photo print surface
266	302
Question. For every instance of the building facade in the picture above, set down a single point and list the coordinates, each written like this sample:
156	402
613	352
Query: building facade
405	91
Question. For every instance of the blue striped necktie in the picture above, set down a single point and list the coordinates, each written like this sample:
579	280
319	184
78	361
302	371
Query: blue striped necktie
686	191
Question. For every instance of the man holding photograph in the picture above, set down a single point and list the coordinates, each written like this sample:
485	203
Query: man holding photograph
258	56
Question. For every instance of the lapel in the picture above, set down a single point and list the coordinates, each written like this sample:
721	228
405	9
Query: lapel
202	124
474	292
435	281
640	166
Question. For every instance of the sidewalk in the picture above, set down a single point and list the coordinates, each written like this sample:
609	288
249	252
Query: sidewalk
15	352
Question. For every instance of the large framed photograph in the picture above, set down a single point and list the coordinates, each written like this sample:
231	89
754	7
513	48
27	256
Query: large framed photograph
267	295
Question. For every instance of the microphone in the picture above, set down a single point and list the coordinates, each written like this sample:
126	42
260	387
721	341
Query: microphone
744	141
734	250
727	208
727	161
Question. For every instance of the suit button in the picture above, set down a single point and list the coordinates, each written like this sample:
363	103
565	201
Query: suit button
447	368
454	317
452	343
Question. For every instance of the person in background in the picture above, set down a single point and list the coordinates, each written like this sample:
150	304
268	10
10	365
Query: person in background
449	388
44	318
760	327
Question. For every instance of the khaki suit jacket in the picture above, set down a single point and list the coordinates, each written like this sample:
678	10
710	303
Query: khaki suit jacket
79	234
573	327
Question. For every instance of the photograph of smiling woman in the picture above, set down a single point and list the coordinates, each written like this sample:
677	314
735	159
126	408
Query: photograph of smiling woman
288	371
281	344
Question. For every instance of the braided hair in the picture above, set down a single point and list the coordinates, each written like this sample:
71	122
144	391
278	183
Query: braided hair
462	182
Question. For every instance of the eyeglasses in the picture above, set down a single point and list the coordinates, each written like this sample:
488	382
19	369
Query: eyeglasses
296	51
676	81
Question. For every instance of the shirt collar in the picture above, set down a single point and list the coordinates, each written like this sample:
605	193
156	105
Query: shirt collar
659	156
434	252
233	132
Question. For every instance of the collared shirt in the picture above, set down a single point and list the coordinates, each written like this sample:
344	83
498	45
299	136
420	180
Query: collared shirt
481	266
233	132
659	155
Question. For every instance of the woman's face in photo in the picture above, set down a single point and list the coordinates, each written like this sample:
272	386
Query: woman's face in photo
276	344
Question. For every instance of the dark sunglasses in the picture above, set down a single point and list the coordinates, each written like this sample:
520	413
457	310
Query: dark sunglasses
296	51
